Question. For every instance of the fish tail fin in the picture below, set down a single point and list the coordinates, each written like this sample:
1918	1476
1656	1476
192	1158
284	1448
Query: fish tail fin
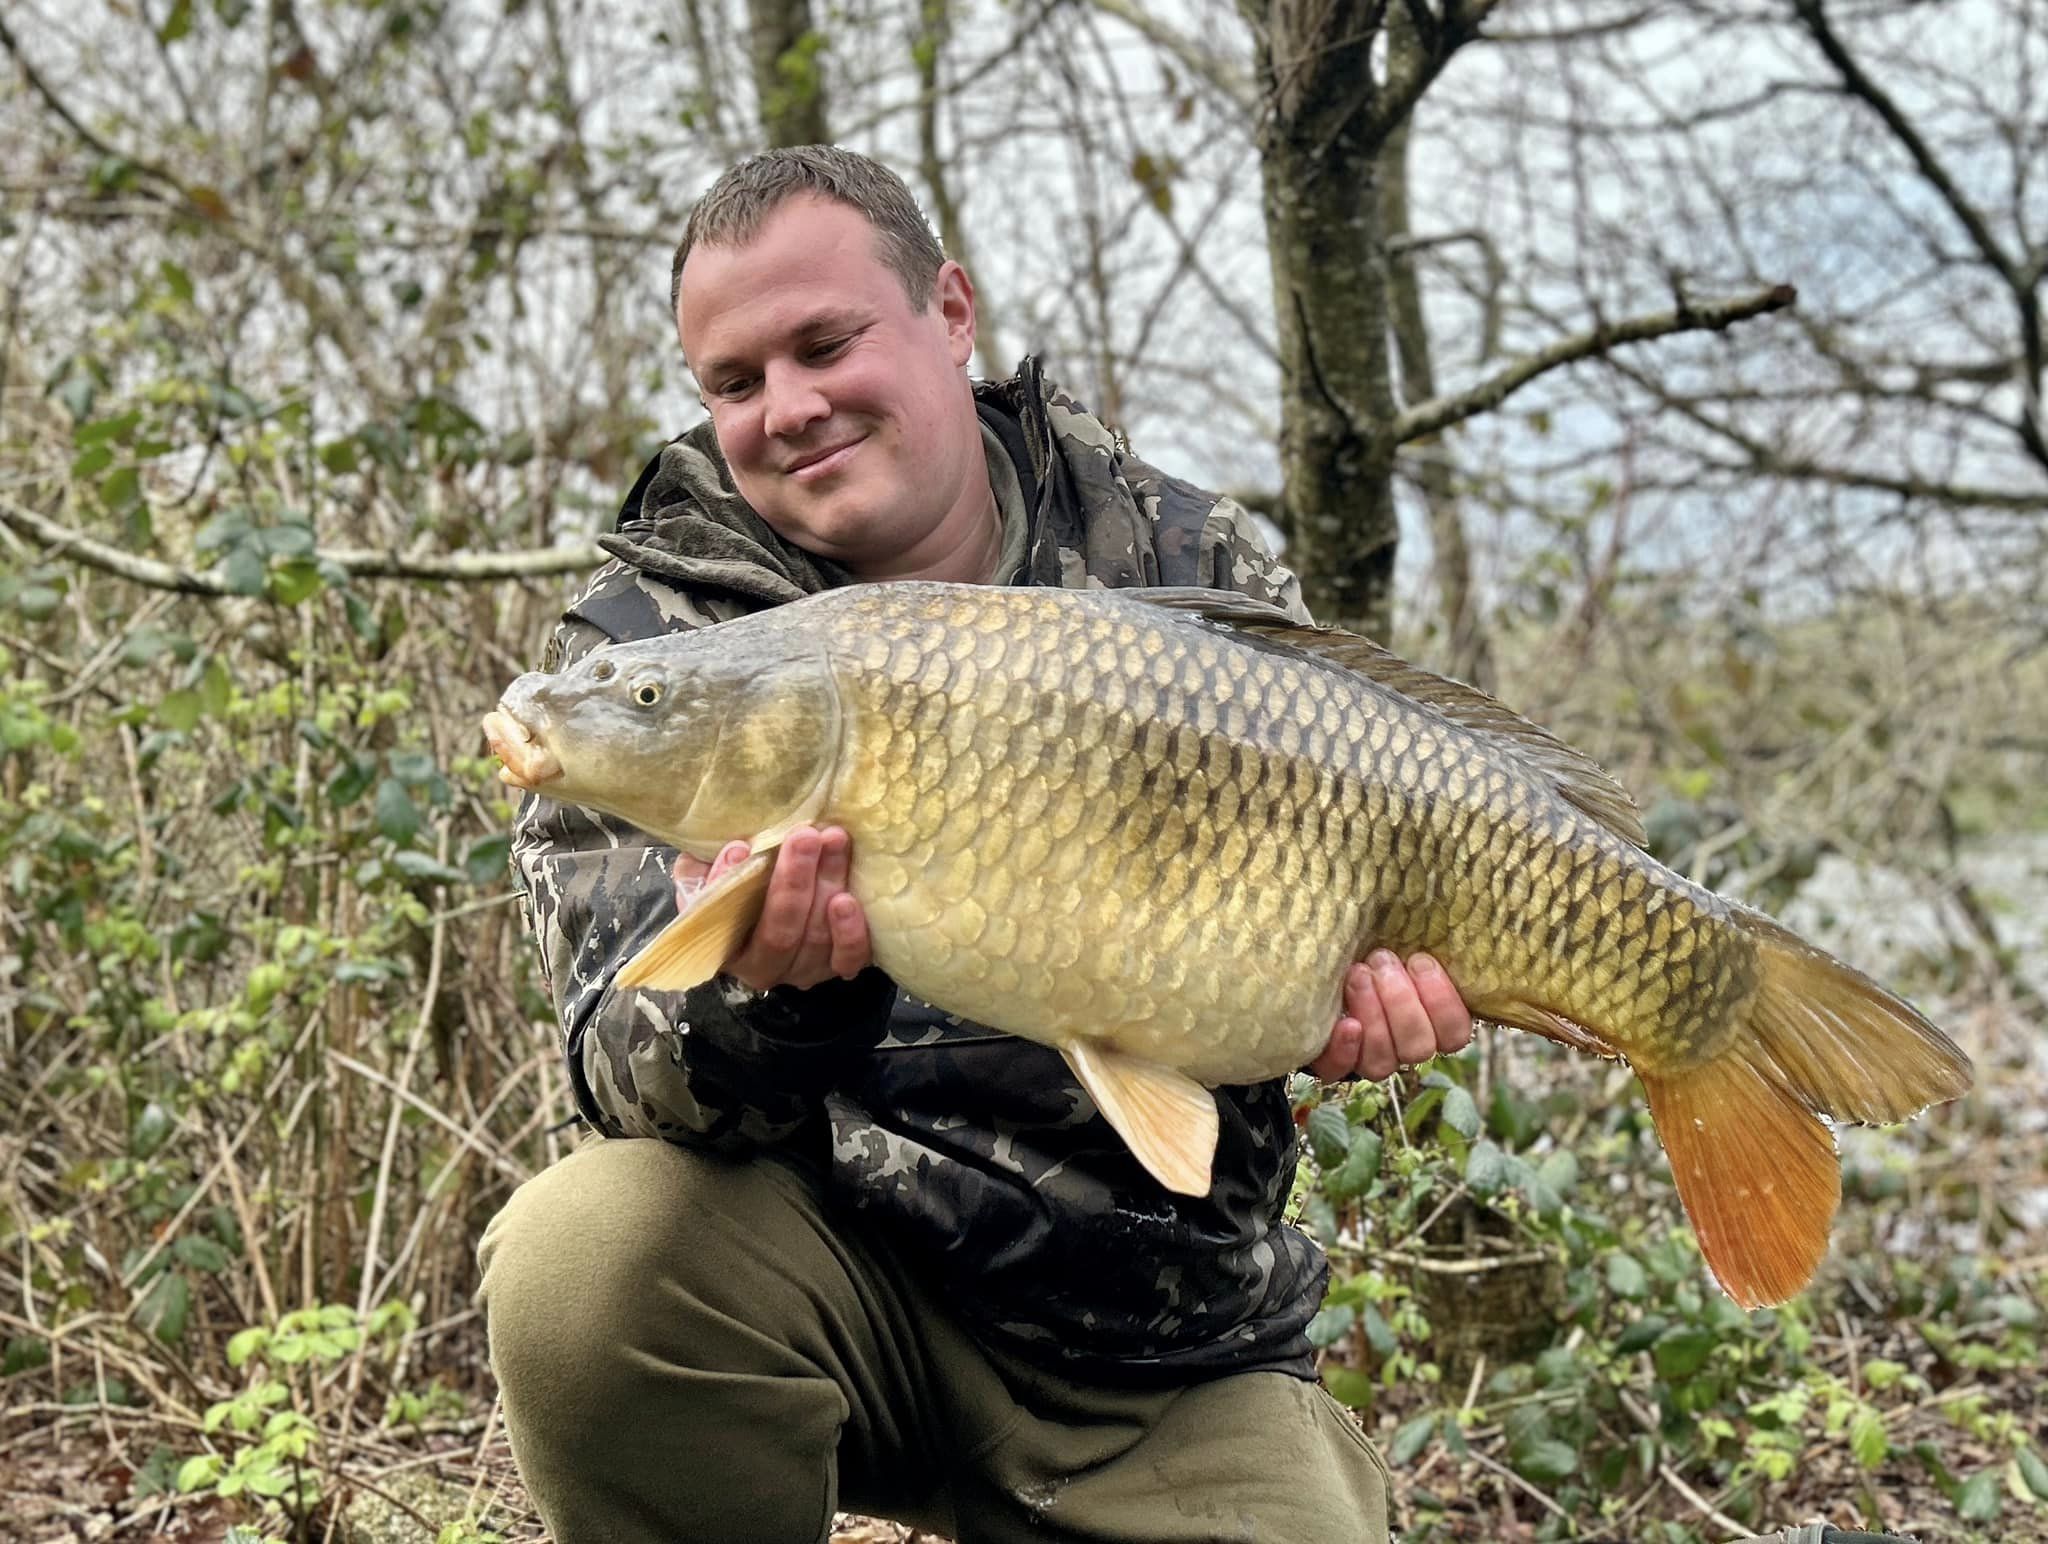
1754	1164
1755	1168
1848	1047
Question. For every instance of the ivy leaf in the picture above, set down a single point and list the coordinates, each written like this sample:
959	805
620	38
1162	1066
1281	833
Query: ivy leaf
396	816
1626	1276
1361	1166
2033	1473
1330	1326
1412	1438
1486	1168
486	860
1548	1459
1979	1500
1349	1386
1682	1352
1329	1135
179	710
1461	1112
1867	1440
164	1309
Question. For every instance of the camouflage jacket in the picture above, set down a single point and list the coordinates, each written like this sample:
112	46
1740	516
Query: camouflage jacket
976	1153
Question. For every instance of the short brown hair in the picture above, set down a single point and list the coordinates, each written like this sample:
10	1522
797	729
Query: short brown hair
743	197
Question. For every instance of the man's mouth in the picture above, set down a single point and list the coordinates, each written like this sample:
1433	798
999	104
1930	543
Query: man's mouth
825	462
527	762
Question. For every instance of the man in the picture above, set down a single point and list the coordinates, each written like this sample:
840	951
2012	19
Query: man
885	1258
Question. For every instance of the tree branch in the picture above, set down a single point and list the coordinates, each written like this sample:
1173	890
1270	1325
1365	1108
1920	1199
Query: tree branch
1459	25
363	563
1440	413
1814	17
1211	67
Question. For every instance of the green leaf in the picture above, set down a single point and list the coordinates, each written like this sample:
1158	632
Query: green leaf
1378	1333
295	580
1412	1437
198	1473
424	865
1626	1276
1349	1386
396	816
201	1253
1682	1352
213	688
351	781
1867	1440
120	488
38	602
176	279
1547	1459
488	856
2033	1473
1461	1113
164	1308
242	570
1331	1325
245	1344
1980	1498
1329	1135
1641	1335
179	710
1486	1168
151	1127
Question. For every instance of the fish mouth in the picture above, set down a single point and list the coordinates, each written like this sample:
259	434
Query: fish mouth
527	762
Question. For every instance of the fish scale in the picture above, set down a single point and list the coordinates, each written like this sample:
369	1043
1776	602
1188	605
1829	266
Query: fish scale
1154	829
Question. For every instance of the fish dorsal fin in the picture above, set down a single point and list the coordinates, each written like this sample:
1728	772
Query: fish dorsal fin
1166	1117
1579	780
694	948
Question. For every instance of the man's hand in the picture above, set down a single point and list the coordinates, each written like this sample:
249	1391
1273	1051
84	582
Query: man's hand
1395	1015
811	927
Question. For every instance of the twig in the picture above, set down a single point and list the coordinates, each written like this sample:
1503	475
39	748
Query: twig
1702	1505
1426	418
1514	1479
358	562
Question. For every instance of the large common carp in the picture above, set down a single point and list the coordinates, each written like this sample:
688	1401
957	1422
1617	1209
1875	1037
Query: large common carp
1152	829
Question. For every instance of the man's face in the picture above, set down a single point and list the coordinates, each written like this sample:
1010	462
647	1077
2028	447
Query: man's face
842	409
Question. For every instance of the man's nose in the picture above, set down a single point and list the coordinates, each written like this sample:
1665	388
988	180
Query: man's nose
791	401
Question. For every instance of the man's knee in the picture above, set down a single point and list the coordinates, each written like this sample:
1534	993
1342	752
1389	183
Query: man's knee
607	1256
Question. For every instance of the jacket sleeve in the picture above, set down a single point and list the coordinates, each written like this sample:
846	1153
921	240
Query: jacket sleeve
718	1066
1235	557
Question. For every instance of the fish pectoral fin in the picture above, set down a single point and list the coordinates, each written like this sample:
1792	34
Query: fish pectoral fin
1166	1117
1516	1013
693	948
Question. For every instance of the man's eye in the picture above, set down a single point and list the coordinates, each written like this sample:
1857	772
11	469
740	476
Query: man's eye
830	348
734	389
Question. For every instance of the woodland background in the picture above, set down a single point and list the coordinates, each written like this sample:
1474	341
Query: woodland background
331	332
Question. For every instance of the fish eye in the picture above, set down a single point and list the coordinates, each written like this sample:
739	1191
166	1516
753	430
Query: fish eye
603	670
647	693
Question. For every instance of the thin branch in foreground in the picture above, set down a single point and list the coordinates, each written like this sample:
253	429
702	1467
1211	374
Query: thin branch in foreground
1426	418
363	563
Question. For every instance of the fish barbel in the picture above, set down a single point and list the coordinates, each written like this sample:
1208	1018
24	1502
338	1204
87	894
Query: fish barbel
1153	828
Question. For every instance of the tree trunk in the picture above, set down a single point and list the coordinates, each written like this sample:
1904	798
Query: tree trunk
934	32
788	76
1317	156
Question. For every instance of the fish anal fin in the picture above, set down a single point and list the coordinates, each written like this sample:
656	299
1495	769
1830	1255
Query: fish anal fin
1517	1013
1756	1170
1166	1117
1578	779
693	948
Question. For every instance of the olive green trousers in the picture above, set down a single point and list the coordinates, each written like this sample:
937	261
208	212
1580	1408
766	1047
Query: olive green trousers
690	1348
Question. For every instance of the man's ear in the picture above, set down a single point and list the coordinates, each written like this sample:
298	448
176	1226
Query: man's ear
953	299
